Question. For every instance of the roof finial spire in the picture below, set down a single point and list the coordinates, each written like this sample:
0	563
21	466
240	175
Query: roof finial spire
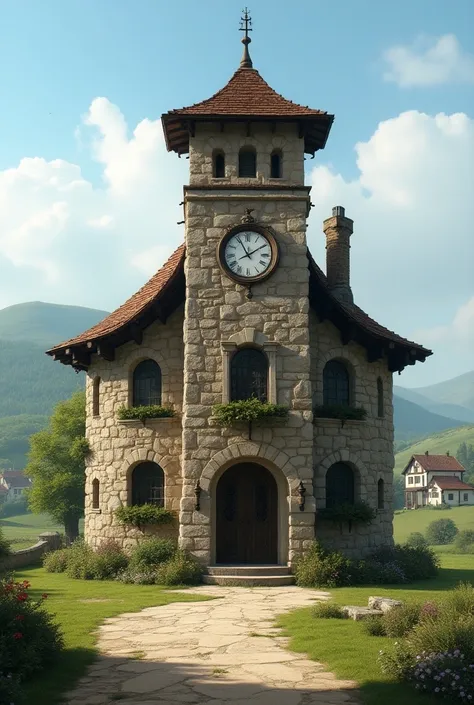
246	26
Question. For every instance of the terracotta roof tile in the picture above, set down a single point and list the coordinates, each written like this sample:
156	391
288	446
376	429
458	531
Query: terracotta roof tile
451	483
247	93
134	306
439	462
152	290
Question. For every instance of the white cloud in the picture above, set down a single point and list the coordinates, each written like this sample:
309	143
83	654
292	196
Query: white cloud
429	61
460	331
412	250
63	239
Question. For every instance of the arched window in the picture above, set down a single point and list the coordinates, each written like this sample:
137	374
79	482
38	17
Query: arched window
275	165
379	397
380	494
95	396
148	484
147	383
339	485
95	494
248	162
336	384
248	375
218	170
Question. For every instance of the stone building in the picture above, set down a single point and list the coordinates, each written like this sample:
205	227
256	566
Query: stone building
242	310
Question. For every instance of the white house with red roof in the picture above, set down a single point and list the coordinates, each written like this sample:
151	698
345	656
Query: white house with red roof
434	480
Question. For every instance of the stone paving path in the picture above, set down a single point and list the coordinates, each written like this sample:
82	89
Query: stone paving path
221	652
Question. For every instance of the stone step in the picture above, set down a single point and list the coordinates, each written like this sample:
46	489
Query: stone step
237	570
249	580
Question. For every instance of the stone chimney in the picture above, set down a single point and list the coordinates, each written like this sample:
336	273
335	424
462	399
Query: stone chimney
338	230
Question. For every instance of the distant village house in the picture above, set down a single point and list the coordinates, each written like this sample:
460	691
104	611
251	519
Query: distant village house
434	480
13	484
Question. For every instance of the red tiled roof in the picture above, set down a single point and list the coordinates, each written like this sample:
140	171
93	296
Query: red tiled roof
16	478
248	94
439	462
451	483
134	306
150	293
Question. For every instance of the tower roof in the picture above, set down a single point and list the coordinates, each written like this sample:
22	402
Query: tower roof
247	97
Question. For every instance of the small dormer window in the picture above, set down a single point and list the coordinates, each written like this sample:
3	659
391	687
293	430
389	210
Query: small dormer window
218	165
275	165
247	163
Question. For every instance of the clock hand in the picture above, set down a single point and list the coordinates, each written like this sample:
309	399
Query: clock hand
258	248
243	246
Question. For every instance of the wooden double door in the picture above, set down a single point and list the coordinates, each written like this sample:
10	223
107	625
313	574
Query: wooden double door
247	516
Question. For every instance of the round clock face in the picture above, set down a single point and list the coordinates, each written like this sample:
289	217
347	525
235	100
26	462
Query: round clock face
248	254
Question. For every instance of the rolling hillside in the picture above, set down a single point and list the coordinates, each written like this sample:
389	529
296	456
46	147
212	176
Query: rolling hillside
438	443
453	398
413	421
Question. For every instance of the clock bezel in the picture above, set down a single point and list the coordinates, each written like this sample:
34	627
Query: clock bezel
248	227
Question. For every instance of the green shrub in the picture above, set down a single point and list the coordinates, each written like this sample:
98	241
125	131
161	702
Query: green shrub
444	634
10	689
29	639
459	601
416	540
416	562
151	552
374	626
441	531
137	576
141	413
247	410
141	515
320	568
357	513
108	560
56	561
4	546
399	662
181	569
399	621
328	610
79	561
464	541
14	508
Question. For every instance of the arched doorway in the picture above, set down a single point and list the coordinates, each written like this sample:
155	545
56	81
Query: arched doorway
247	516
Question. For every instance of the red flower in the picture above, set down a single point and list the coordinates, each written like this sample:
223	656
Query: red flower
22	596
20	617
44	595
18	635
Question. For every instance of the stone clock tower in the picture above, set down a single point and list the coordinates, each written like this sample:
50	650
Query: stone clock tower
247	285
241	311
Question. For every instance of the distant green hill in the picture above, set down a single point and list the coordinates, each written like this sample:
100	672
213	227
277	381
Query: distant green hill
46	324
453	398
15	432
413	421
437	443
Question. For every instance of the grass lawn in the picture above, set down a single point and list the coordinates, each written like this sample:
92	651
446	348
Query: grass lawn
23	530
78	618
405	522
349	652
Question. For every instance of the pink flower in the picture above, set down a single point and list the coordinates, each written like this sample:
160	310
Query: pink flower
18	635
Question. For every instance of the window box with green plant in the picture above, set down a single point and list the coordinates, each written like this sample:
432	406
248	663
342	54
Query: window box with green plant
356	514
152	412
141	515
248	411
340	412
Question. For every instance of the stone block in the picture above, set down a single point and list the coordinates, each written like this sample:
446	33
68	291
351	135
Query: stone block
385	604
360	613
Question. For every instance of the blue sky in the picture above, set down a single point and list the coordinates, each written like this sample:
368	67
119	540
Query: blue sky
145	57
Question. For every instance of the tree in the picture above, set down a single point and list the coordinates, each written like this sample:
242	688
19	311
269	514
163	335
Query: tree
465	455
416	540
441	531
57	465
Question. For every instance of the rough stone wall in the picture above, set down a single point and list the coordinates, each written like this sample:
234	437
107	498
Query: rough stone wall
118	446
232	139
216	308
366	445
